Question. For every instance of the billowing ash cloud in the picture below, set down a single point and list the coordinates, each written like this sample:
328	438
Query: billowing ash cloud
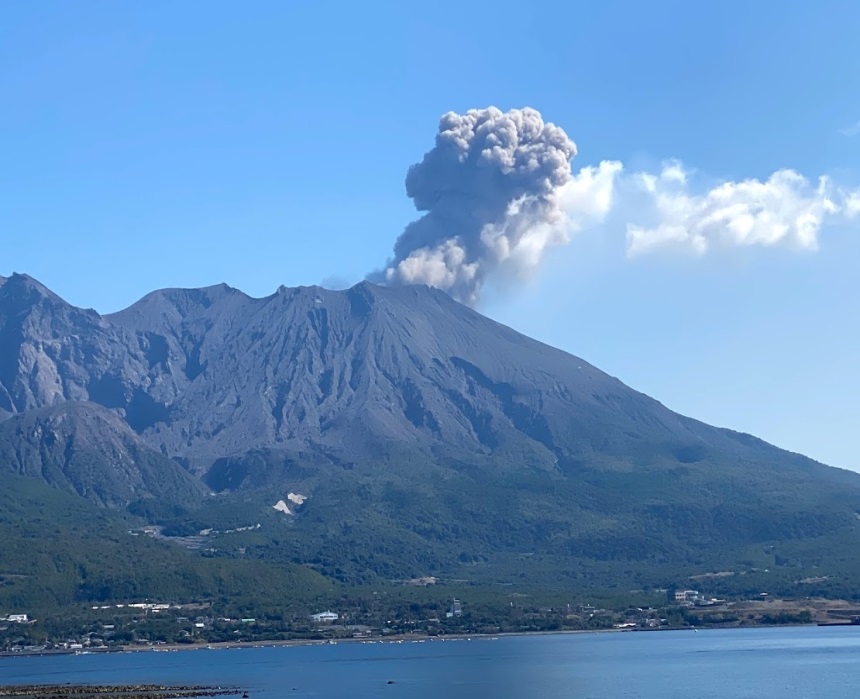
498	192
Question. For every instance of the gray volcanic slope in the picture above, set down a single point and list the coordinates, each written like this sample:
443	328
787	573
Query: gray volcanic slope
84	448
204	374
427	437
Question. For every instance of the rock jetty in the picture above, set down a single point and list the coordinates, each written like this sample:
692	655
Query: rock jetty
128	691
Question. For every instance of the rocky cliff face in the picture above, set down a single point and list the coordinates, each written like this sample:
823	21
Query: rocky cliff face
84	448
207	373
425	437
215	379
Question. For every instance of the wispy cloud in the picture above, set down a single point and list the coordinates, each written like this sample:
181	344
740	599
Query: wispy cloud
498	195
853	130
785	209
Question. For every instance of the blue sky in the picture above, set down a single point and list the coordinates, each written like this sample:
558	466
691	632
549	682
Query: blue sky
157	144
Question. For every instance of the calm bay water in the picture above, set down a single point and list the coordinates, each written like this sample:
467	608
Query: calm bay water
760	663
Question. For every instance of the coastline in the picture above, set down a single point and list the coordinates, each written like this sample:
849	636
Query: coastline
393	639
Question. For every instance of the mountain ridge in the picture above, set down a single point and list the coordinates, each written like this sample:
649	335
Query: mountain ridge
84	448
176	324
422	433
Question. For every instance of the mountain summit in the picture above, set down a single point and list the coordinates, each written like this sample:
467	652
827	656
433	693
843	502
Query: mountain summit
205	373
463	435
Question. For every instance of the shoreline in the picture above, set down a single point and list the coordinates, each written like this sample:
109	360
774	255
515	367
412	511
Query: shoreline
393	639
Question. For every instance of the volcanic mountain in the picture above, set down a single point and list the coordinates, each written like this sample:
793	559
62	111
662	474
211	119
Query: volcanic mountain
422	433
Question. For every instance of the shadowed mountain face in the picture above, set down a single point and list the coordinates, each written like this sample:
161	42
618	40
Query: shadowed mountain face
409	419
210	373
87	449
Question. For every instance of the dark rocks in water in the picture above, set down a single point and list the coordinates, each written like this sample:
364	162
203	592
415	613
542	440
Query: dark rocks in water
132	691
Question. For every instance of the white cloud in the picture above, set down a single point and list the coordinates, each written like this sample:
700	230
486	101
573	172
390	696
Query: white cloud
852	203
497	196
582	202
785	209
515	247
661	210
588	197
443	266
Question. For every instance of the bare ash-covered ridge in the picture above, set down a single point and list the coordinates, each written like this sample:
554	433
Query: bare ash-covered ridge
425	436
208	374
84	448
346	370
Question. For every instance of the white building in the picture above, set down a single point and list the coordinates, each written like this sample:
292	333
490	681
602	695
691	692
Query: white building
456	609
686	595
17	618
324	617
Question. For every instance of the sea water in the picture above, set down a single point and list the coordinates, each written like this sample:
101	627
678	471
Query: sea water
761	663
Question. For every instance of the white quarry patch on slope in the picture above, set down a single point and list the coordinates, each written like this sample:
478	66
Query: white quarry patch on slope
295	498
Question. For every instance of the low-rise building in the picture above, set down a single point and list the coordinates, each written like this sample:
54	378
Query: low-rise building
456	609
323	617
686	595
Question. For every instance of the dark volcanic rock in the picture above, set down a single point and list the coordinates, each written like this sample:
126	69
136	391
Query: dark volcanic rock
85	448
346	371
422	432
207	374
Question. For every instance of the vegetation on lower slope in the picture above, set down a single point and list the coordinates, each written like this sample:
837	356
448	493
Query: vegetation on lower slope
599	526
788	528
58	549
427	439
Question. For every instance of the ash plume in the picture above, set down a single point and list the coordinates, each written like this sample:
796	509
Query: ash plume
492	192
497	194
